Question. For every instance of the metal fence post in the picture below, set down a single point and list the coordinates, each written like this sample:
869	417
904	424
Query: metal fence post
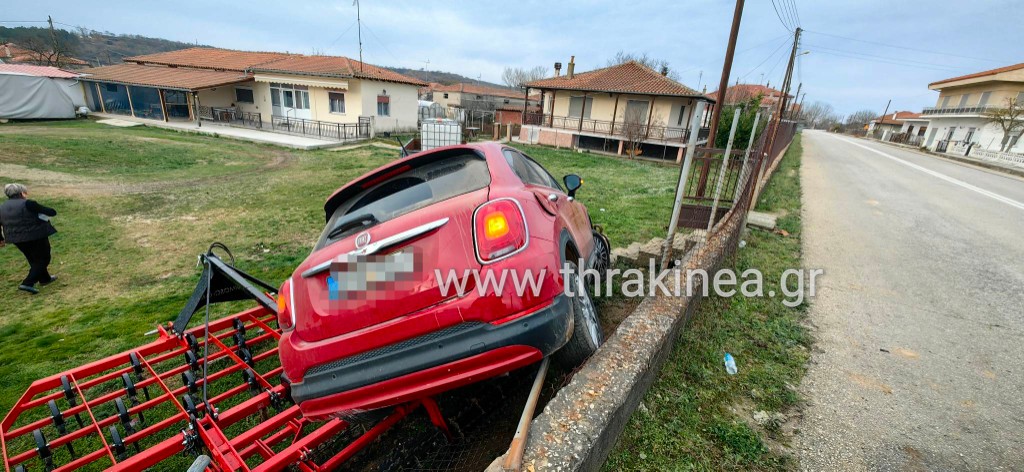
691	147
721	172
744	176
765	157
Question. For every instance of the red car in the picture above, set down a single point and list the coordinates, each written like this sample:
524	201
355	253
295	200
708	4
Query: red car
368	319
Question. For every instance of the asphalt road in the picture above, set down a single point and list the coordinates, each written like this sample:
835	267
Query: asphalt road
919	318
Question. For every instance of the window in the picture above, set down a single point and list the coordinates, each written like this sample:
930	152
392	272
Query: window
963	100
446	95
244	95
576	107
439	177
289	98
337	102
1020	98
636	111
984	99
682	113
945	102
112	88
383	105
275	97
970	134
528	171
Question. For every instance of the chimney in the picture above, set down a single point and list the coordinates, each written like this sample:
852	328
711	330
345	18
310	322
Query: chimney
664	70
558	69
572	65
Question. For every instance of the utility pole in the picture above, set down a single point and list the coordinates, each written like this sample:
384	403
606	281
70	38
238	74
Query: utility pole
726	70
54	59
886	112
787	83
359	26
792	109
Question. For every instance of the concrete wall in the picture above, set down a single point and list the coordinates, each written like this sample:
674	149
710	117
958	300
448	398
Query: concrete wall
223	97
1001	91
404	104
987	135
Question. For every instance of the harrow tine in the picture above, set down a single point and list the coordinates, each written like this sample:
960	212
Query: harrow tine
69	394
117	443
129	388
191	360
188	379
239	326
126	420
43	449
58	422
139	372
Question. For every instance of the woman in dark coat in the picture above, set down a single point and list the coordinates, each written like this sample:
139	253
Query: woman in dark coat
26	224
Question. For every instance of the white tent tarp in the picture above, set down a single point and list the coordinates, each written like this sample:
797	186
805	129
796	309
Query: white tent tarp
29	97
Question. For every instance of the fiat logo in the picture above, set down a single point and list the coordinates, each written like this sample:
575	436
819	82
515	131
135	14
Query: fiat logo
362	239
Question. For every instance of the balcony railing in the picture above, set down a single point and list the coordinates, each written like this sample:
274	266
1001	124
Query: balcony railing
282	124
975	110
614	128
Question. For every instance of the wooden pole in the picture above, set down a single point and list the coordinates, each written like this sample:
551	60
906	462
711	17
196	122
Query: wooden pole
514	457
723	83
99	92
650	114
128	91
615	111
551	117
163	105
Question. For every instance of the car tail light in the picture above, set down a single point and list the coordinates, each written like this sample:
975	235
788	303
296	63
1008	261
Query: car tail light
285	315
499	228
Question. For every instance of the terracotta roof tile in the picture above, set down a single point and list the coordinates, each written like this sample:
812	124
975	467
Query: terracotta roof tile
38	71
981	74
334	66
480	90
743	92
14	54
897	118
164	77
628	77
209	58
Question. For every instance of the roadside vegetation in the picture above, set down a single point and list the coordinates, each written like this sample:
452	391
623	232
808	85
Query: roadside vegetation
696	416
136	205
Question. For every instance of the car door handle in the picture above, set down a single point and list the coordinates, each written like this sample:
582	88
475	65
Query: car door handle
552	197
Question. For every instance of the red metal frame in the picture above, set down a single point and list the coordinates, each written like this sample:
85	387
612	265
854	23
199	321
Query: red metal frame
280	436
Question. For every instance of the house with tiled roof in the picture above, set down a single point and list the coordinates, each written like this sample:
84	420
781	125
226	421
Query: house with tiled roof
478	96
740	93
594	109
901	126
11	53
330	97
959	120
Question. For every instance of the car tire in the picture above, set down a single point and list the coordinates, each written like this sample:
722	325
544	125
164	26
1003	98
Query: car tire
586	334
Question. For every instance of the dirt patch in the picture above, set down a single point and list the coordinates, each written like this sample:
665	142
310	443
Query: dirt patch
868	382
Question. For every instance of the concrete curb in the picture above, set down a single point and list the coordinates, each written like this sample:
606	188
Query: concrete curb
960	160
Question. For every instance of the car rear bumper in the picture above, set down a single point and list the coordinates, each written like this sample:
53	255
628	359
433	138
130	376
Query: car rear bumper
432	363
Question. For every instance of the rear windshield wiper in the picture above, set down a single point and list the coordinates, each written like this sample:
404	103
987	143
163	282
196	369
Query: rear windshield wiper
350	222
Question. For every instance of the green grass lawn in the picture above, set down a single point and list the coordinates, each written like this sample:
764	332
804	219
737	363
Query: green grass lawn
136	205
695	416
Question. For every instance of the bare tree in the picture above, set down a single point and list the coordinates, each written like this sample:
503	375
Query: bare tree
635	129
1010	119
659	65
858	121
516	77
48	53
816	114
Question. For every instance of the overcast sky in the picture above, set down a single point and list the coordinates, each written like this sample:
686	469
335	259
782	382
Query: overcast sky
863	52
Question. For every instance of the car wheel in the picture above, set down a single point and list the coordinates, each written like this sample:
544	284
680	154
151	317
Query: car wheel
586	332
602	254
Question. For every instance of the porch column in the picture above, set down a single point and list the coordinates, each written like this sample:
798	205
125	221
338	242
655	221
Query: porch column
163	105
650	114
679	155
526	102
615	111
128	91
99	93
583	111
620	147
551	117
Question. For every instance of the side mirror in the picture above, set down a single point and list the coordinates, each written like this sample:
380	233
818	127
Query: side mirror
573	183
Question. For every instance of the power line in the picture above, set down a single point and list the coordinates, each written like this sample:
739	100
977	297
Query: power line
766	59
776	8
796	12
341	35
789	14
907	48
887	58
886	62
764	43
379	41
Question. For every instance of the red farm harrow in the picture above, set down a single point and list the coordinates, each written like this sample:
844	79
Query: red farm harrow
144	409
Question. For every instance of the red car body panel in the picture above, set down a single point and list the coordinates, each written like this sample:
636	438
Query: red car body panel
330	334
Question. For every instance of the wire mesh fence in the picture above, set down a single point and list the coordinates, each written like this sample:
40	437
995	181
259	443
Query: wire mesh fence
718	187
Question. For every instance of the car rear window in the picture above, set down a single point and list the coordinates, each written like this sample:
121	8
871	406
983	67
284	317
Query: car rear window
420	184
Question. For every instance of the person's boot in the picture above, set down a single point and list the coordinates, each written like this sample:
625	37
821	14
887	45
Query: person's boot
28	288
53	278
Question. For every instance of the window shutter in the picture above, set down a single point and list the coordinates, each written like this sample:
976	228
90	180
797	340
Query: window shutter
383	99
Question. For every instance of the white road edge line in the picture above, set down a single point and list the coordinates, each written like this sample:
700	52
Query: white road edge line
992	195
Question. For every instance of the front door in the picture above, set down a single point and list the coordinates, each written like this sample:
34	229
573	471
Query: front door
290	101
